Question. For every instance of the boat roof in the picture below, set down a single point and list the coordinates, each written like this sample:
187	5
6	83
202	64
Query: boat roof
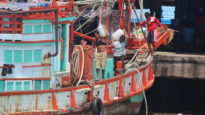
15	6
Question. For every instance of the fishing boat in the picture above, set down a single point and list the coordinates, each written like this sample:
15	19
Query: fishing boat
44	73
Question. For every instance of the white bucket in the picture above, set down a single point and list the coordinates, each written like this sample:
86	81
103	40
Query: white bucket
102	30
116	35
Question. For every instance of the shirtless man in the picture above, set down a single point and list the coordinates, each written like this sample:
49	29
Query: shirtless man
101	55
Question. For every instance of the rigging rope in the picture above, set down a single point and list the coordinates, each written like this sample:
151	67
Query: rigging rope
75	64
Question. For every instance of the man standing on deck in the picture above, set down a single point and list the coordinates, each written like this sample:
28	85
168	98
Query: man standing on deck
152	28
101	55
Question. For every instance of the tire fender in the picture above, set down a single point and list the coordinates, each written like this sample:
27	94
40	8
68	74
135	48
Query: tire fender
97	106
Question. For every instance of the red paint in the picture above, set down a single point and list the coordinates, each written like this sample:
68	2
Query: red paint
84	36
90	76
54	101
88	63
162	40
7	67
106	93
71	40
121	9
121	89
144	81
128	23
90	95
138	91
42	65
119	65
133	84
67	89
72	99
150	73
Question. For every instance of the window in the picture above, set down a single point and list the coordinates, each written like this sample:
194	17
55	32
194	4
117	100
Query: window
1	85
9	86
42	84
37	85
8	56
27	56
27	86
46	84
37	56
28	29
18	85
6	19
168	13
6	25
46	28
37	28
18	56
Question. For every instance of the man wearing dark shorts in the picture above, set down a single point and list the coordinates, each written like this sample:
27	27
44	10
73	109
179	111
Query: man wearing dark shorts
152	28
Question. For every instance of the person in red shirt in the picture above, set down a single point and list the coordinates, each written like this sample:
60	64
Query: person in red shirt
152	24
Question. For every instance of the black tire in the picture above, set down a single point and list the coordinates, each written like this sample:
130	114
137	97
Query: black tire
97	107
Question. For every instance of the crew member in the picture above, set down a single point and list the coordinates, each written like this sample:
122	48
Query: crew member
101	54
152	23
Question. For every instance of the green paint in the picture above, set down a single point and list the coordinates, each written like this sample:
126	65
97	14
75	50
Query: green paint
9	86
46	84
37	55
8	56
27	44
109	72
67	18
37	85
17	56
18	86
56	60
37	29
64	36
1	86
27	56
28	29
47	28
6	19
26	86
35	21
137	98
6	25
47	21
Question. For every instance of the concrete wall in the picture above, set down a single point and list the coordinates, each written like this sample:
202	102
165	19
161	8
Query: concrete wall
179	65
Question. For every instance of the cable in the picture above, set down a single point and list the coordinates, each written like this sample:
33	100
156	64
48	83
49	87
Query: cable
145	98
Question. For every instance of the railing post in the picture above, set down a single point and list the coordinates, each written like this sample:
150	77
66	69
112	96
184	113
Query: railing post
106	93
121	90
150	73
144	81
72	99
133	84
54	101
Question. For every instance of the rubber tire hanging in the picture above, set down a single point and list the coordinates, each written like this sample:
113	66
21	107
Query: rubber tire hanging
97	106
